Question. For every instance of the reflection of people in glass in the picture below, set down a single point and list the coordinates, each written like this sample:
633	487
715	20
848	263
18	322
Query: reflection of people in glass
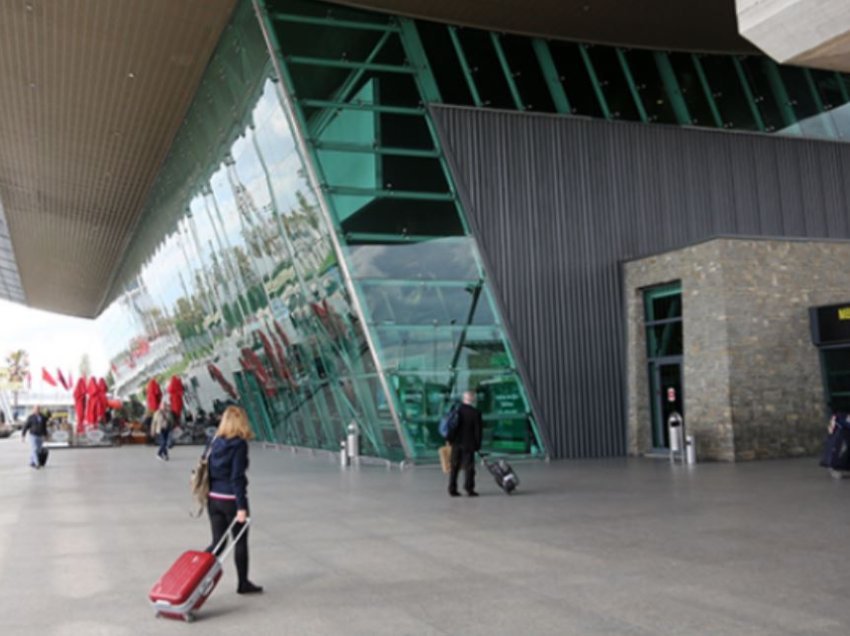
160	429
466	441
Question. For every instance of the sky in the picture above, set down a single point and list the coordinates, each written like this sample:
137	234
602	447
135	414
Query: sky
52	341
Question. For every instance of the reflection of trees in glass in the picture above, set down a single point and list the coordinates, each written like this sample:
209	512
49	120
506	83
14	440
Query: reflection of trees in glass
156	321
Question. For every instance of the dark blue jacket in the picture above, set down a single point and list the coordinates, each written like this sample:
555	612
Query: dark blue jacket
228	462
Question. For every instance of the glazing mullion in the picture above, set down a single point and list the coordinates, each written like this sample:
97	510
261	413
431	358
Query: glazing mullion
594	80
374	150
813	89
389	194
842	87
780	94
327	207
343	93
303	60
424	78
280	16
671	86
355	105
630	81
506	70
416	55
377	237
550	73
464	65
706	89
745	85
399	282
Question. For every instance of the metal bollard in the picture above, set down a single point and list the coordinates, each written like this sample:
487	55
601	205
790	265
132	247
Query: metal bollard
690	449
676	430
353	441
343	454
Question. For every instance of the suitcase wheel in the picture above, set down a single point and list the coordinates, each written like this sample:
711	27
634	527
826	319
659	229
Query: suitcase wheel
189	617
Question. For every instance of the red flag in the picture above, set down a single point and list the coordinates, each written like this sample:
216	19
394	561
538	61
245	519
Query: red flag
61	379
47	377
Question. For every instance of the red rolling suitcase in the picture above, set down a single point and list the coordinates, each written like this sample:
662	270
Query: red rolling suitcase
187	584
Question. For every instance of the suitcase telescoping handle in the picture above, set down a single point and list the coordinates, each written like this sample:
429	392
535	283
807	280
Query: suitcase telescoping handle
223	556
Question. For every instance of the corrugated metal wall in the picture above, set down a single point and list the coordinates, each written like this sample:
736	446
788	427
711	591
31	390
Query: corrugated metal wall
557	203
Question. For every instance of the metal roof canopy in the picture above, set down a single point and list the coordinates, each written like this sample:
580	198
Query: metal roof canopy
92	93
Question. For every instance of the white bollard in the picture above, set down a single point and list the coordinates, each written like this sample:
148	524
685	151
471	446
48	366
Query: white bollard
690	449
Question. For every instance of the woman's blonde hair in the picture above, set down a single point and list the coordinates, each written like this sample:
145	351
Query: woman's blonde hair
234	423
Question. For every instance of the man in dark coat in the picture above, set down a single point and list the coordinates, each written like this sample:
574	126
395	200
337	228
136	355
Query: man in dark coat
36	426
466	441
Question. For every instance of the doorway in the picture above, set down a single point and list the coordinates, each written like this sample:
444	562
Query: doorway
663	321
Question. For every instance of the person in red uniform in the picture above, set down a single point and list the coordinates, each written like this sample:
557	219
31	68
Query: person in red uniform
80	404
175	394
91	402
101	405
154	396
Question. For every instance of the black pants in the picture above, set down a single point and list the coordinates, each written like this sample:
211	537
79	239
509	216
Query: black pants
222	512
462	458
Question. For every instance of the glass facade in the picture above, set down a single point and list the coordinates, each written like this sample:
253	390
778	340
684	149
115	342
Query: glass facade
304	249
357	84
358	297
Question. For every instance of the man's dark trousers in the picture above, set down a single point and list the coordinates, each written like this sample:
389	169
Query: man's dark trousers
462	458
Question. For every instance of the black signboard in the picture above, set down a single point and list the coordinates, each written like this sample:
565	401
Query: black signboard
830	324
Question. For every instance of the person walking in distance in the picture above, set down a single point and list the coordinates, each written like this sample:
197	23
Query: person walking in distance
228	498
466	441
36	426
160	429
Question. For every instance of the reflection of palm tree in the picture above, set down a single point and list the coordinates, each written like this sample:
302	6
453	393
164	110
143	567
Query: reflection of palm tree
18	367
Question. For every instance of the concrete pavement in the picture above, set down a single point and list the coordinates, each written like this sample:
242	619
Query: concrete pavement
589	547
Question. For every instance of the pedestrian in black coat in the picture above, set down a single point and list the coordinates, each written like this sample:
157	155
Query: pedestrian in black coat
466	441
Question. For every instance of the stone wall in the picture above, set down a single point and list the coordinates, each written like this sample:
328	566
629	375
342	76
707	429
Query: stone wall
752	382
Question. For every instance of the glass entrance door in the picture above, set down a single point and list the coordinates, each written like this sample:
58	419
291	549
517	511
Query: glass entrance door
663	321
666	397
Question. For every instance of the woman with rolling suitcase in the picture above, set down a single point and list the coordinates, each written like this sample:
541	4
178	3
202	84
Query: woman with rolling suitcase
228	497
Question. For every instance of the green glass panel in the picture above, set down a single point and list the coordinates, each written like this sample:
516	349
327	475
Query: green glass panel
434	348
665	339
507	426
527	74
402	234
442	258
486	70
425	304
801	97
650	86
836	364
447	67
574	76
399	215
728	94
692	90
769	96
613	83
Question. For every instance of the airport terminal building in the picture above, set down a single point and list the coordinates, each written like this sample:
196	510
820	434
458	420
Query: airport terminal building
366	208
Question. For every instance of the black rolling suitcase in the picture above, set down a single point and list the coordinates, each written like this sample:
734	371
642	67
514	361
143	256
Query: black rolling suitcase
503	474
43	454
